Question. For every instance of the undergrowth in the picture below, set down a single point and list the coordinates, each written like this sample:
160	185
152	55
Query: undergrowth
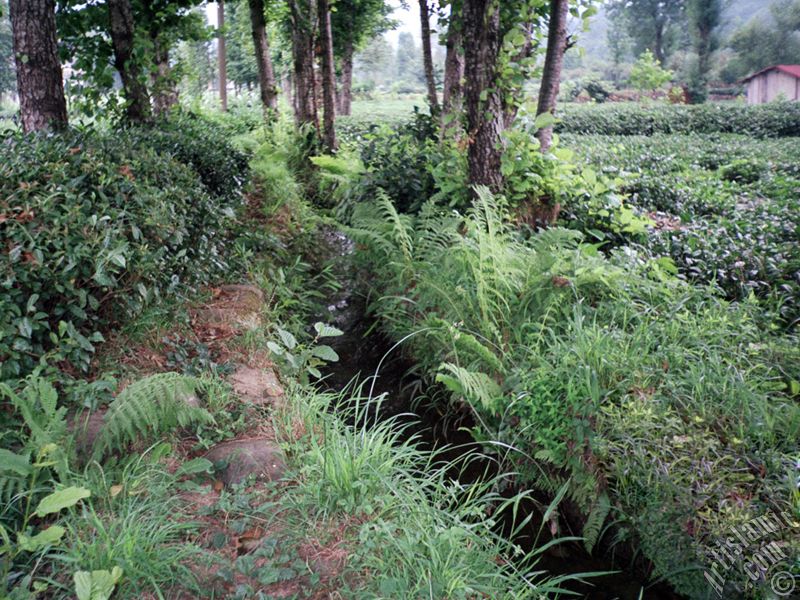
650	397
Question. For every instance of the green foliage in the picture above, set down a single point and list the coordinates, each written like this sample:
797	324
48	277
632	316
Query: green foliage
96	585
418	532
588	346
397	162
780	119
762	42
647	75
99	225
304	359
34	479
150	407
728	202
133	536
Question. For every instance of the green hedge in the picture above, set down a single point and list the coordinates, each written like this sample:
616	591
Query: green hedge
780	119
96	225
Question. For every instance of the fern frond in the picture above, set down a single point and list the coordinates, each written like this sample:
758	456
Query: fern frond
150	408
472	385
594	522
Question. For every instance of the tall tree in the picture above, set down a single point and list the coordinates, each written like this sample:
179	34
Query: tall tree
138	48
427	55
302	20
704	18
40	83
483	42
222	56
266	75
122	40
653	24
408	59
553	63
355	23
328	76
7	75
452	94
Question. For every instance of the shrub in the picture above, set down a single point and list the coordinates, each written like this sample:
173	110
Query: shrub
780	119
397	162
98	225
647	75
203	146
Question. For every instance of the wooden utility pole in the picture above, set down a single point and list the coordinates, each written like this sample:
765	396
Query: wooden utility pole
221	55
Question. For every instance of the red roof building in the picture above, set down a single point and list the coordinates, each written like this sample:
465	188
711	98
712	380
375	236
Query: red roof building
773	83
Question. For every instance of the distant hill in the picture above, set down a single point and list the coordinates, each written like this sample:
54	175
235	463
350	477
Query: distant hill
739	12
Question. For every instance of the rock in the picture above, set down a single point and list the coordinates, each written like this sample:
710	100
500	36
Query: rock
244	294
237	306
257	386
260	457
228	317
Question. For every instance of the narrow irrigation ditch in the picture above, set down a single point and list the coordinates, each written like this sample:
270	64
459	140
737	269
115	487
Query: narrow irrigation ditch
369	359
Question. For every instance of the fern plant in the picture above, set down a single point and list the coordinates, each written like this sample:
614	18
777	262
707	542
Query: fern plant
42	432
150	408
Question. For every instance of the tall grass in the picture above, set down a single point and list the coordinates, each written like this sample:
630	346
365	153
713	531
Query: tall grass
420	532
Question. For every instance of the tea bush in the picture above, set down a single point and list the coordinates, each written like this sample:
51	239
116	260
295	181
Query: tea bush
96	225
778	119
728	206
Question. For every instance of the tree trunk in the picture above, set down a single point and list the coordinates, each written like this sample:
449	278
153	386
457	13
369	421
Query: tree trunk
303	27
346	93
165	93
266	75
452	97
658	41
222	56
482	44
40	85
553	62
122	40
328	76
427	55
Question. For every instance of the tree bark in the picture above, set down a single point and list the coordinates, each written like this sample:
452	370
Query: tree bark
482	44
266	74
122	40
40	84
427	55
303	27
222	56
328	76
346	92
165	93
553	62
452	96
